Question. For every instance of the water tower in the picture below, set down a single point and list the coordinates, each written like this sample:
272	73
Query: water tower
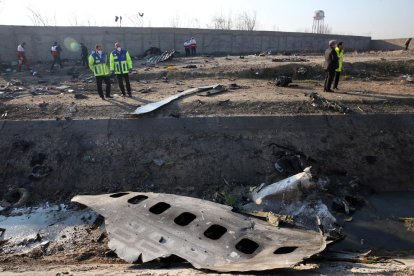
318	22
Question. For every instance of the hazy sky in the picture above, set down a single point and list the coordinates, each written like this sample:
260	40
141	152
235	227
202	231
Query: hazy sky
376	18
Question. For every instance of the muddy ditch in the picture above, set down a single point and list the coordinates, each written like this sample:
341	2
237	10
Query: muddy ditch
45	163
55	160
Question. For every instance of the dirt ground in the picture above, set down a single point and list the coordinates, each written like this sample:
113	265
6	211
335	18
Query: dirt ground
371	83
374	82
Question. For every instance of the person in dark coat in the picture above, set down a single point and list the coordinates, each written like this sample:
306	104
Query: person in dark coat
84	55
330	66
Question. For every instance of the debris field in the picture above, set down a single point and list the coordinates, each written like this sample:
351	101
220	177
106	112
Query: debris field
305	216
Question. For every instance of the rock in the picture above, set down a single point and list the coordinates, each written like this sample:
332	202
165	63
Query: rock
73	108
146	90
40	171
38	159
85	256
283	81
79	96
43	104
159	162
371	159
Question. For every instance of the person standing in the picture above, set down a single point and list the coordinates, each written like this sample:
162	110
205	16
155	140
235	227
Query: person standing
193	46
55	50
121	64
187	45
330	66
99	65
340	53
84	55
21	55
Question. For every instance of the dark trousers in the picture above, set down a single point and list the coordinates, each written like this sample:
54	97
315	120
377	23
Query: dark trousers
107	81
329	77
193	51
23	60
187	52
85	61
121	78
337	76
56	59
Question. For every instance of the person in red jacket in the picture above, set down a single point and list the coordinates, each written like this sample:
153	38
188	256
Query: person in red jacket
55	51
193	46
21	55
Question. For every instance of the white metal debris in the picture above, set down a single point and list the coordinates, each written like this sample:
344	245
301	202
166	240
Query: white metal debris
283	188
153	106
147	226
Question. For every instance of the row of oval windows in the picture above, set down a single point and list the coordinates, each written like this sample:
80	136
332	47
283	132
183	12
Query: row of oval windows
214	232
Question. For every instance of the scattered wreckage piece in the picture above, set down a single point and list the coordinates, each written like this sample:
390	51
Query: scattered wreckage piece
407	78
320	102
153	106
409	223
146	226
234	86
62	88
167	55
39	90
283	81
2	240
272	218
2	231
146	90
351	257
290	59
6	95
285	188
216	90
12	86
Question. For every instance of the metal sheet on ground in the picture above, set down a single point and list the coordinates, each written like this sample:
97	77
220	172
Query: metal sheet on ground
146	226
161	58
153	106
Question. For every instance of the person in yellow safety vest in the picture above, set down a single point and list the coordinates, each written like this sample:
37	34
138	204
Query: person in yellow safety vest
99	65
340	52
120	65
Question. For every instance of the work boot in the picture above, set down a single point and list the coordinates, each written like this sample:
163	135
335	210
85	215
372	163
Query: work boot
109	96
130	95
